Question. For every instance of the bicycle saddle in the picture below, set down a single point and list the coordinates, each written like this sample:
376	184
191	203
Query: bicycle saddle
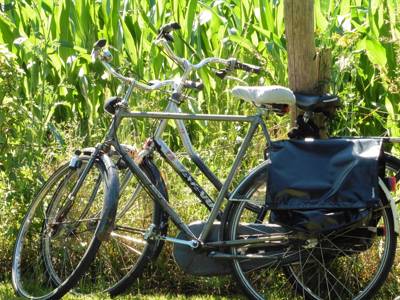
316	103
260	95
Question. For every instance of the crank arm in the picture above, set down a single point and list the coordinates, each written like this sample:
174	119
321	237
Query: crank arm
151	234
192	243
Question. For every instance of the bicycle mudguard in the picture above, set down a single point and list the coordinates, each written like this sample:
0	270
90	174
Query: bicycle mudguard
257	174
392	205
150	169
153	172
110	205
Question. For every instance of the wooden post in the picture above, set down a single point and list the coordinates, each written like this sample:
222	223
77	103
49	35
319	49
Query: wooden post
299	27
309	71
324	60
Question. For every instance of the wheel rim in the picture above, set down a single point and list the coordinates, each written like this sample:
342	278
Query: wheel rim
36	273
341	285
294	281
23	273
121	256
67	239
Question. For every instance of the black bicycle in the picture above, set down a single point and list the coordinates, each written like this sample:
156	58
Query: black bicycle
341	247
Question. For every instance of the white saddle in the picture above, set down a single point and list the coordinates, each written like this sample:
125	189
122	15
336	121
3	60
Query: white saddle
260	95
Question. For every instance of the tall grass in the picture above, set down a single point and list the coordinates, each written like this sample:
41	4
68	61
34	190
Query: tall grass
51	95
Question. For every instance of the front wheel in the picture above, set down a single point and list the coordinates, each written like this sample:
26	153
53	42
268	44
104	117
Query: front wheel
60	234
323	269
122	258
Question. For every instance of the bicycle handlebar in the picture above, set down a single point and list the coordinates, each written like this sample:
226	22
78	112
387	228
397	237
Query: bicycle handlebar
232	64
104	55
247	67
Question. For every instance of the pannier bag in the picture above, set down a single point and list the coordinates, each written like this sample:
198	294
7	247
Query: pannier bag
323	185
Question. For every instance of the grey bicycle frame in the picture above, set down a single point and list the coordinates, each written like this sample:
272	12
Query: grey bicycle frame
174	113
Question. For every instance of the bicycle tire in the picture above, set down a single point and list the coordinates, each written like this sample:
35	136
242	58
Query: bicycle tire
116	267
254	188
39	284
392	169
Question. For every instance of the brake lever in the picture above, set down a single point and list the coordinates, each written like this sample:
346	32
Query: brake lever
167	28
99	51
165	31
231	66
222	73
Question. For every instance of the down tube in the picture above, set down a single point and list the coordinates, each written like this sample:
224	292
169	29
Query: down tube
153	191
185	175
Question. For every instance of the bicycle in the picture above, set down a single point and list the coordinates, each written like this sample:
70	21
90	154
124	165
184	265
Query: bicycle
58	196
193	236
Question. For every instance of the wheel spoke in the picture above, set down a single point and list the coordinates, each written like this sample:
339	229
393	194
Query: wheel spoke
128	238
337	265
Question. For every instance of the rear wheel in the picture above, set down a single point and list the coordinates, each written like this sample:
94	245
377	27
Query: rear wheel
58	238
323	268
123	258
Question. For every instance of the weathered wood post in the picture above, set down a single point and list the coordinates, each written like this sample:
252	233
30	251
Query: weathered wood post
308	71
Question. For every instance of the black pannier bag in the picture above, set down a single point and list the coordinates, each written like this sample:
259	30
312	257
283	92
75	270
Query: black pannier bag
318	186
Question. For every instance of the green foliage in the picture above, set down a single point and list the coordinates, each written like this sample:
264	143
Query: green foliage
364	36
17	181
51	95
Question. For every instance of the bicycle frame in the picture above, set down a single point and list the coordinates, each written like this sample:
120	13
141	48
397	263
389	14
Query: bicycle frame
174	113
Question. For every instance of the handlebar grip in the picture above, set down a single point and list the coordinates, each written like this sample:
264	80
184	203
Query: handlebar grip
196	85
237	65
169	27
221	74
100	44
247	67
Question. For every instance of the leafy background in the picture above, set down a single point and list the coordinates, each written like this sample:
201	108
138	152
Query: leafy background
52	95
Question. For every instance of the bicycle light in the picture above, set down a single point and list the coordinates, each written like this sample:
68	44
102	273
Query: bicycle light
75	162
391	183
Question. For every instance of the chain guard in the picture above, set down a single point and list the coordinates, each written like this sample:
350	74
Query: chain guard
196	261
201	261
